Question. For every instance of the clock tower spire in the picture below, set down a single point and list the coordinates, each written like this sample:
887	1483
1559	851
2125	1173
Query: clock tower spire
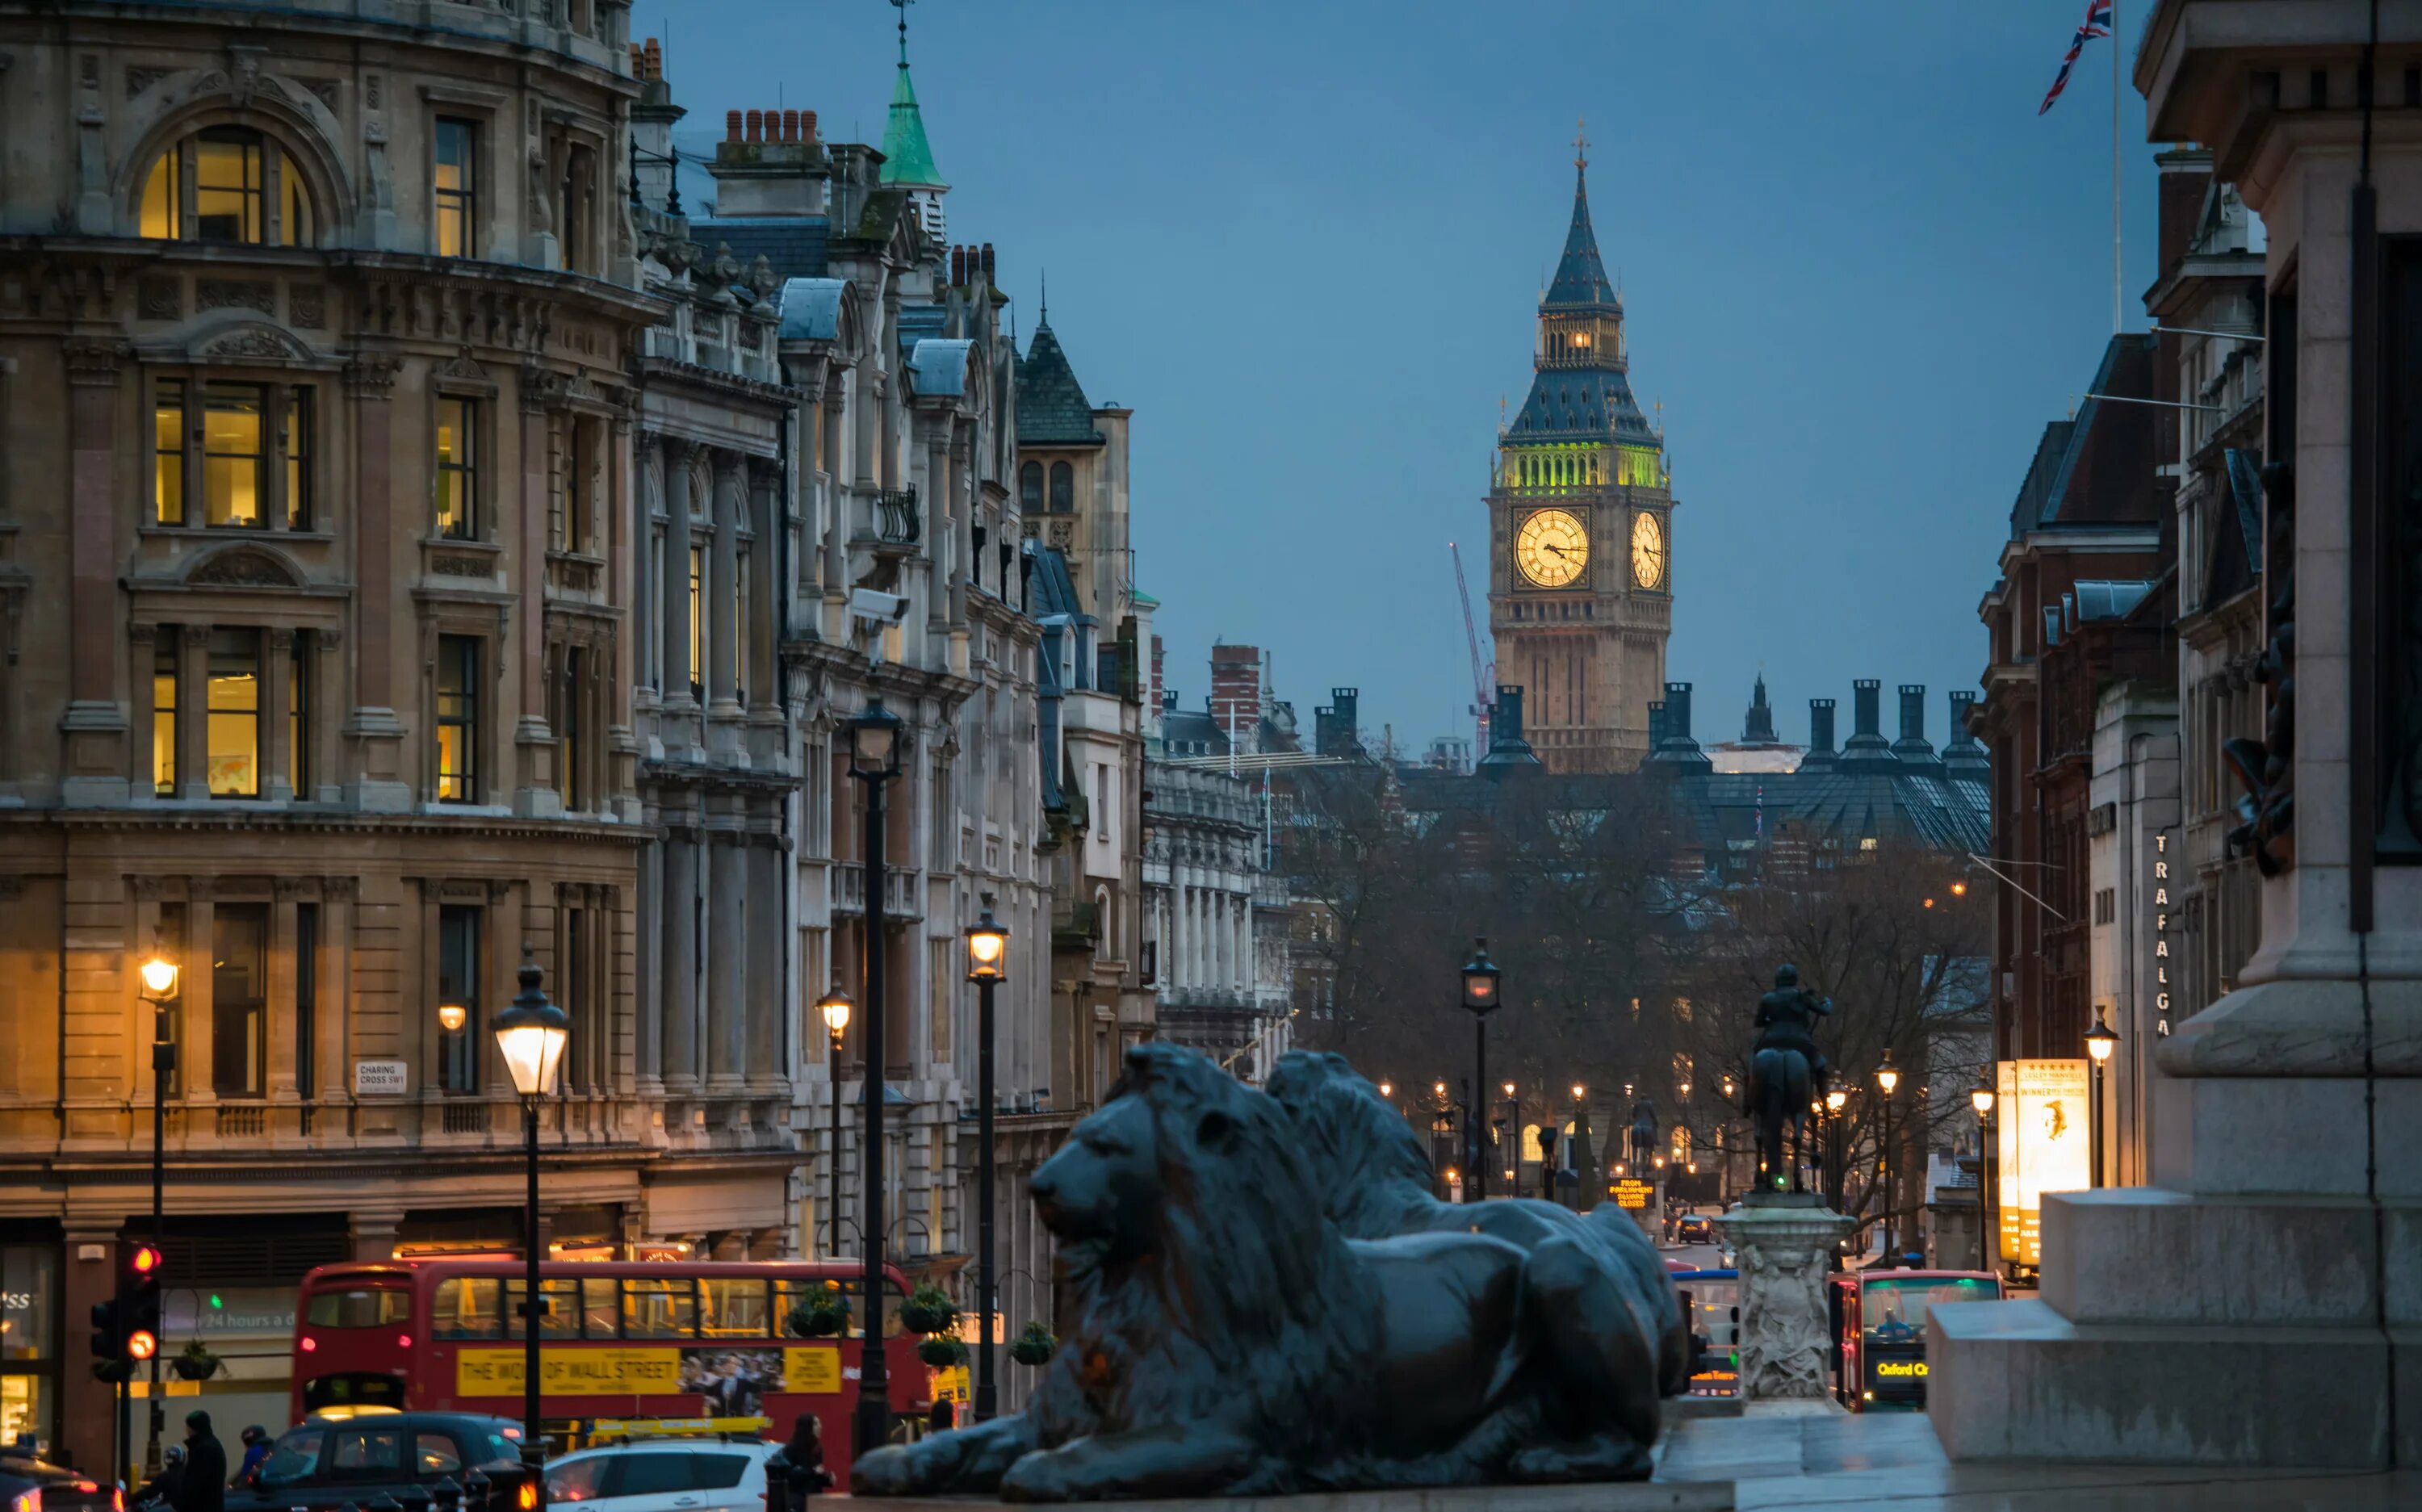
1580	596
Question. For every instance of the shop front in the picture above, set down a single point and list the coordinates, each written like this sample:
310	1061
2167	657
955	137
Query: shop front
29	1341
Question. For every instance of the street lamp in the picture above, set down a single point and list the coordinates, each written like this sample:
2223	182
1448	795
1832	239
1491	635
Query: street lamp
159	973
987	964
833	1008
875	738
1387	1089
2099	1042
1480	976
1836	1159
1980	1097
530	1035
1887	1078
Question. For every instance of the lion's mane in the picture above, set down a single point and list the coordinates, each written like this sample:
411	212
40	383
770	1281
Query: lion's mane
1247	1308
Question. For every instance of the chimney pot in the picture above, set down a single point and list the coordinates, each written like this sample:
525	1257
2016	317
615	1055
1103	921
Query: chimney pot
958	266
987	262
732	125
790	125
1912	711
1820	727
1866	703
756	126
1677	710
808	127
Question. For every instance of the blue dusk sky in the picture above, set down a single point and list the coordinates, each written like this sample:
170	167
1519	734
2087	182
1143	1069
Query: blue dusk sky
1304	243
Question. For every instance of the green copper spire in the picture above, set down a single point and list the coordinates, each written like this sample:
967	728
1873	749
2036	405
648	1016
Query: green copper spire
906	158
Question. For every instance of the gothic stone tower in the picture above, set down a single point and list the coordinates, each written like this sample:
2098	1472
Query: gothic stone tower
1580	565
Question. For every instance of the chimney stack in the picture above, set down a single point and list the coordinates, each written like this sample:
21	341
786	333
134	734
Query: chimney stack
1866	742
1675	749
1509	753
1656	723
958	266
1913	712
1961	753
1820	731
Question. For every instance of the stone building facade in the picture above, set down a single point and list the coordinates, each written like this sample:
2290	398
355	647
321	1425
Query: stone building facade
316	558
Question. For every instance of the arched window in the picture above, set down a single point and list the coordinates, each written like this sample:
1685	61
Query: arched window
1030	488
1064	488
229	184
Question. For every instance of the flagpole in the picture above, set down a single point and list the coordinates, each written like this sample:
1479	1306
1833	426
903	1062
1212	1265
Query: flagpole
2115	324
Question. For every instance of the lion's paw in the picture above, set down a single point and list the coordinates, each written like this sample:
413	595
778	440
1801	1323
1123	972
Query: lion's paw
1040	1476
894	1470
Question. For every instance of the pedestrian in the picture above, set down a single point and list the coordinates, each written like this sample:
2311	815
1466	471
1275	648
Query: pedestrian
803	1457
161	1489
203	1485
944	1416
255	1449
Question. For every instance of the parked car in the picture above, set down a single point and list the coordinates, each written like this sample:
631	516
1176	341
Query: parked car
665	1475
63	1489
1695	1228
324	1462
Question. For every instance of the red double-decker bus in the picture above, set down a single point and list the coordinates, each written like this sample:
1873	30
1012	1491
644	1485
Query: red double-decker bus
636	1346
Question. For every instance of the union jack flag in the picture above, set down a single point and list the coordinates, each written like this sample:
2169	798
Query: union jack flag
2097	23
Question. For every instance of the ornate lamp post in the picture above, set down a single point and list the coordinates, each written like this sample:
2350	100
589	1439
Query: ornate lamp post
2099	1042
1838	1158
987	963
1981	1098
159	976
833	1008
874	741
1887	1078
530	1035
1480	976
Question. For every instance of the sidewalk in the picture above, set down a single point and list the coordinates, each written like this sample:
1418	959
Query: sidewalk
1801	1454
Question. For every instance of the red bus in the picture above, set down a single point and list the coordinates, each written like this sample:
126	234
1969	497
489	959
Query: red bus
1880	1330
628	1346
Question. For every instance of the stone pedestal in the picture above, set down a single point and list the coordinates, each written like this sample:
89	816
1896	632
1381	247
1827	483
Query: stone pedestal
1784	1242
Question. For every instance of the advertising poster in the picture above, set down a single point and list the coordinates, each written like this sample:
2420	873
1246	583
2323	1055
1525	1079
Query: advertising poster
731	1382
2041	1107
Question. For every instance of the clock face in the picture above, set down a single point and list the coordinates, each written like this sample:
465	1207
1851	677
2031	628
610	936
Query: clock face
1648	550
1551	549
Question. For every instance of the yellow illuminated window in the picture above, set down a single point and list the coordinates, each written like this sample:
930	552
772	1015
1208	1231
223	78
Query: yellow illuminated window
218	183
458	718
227	185
163	711
168	452
458	473
697	620
231	455
234	716
456	183
164	198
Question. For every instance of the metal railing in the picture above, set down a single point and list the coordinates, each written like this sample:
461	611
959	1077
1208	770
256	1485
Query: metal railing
895	516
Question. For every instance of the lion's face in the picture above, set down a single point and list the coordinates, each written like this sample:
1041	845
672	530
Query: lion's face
1100	1193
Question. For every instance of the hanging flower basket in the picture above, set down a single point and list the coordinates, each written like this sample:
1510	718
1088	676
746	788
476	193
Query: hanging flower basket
928	1310
195	1364
941	1351
823	1315
1034	1345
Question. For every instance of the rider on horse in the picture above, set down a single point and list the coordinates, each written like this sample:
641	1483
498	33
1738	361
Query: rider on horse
1787	1020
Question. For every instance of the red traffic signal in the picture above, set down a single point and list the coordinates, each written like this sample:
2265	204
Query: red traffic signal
142	1344
144	1261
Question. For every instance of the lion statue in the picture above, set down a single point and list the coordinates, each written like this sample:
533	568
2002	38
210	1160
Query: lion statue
1222	1338
1623	1344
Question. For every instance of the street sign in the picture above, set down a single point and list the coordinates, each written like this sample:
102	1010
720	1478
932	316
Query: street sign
381	1078
1633	1192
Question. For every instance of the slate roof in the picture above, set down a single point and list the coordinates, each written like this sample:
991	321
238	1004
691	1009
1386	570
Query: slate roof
794	244
1052	406
1580	277
1573	403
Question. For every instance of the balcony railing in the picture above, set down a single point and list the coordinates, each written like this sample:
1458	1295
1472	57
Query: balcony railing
895	516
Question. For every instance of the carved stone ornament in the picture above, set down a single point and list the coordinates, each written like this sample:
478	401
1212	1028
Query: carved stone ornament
244	73
466	369
256	342
1240	1274
138	80
235	293
461	566
92	361
161	299
241	568
1783	1253
307	306
372	377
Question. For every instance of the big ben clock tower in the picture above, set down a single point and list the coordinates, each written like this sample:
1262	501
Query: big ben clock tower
1580	565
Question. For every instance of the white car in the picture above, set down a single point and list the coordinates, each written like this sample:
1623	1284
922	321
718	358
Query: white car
664	1476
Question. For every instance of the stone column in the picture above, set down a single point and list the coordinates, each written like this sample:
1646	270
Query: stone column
193	713
762	673
727	961
94	723
768	994
675	597
538	785
332	1078
373	779
142	652
648	946
1784	1242
723	592
681	960
277	674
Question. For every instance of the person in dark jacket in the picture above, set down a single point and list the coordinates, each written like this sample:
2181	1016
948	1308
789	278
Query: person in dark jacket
803	1457
203	1485
162	1486
255	1449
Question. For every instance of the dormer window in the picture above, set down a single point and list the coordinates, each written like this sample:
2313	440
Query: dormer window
229	184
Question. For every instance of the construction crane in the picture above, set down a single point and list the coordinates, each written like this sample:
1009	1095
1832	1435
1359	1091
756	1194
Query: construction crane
1484	675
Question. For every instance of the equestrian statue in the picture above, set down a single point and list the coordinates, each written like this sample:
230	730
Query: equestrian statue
1786	1074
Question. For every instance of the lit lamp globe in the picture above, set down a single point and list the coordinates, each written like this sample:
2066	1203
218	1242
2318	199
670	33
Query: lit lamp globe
874	743
1887	1076
1509	1088
987	947
1387	1089
530	1034
833	1008
1834	1100
1480	976
1437	1089
452	1016
1980	1097
2100	1040
1579	1092
159	976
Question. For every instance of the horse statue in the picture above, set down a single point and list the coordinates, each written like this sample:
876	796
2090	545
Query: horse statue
1787	1073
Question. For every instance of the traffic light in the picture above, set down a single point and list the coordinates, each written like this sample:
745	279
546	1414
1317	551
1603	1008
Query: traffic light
107	1344
138	1300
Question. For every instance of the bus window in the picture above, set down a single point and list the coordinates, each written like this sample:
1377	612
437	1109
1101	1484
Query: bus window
601	1310
358	1307
562	1318
732	1309
466	1309
892	1297
349	1392
659	1309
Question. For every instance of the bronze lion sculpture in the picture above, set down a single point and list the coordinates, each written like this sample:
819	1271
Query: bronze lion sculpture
1221	1338
1623	1344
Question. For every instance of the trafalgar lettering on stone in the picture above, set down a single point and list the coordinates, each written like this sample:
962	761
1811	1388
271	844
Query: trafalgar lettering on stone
2161	933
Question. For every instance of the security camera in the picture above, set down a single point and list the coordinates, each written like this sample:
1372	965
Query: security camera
877	607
